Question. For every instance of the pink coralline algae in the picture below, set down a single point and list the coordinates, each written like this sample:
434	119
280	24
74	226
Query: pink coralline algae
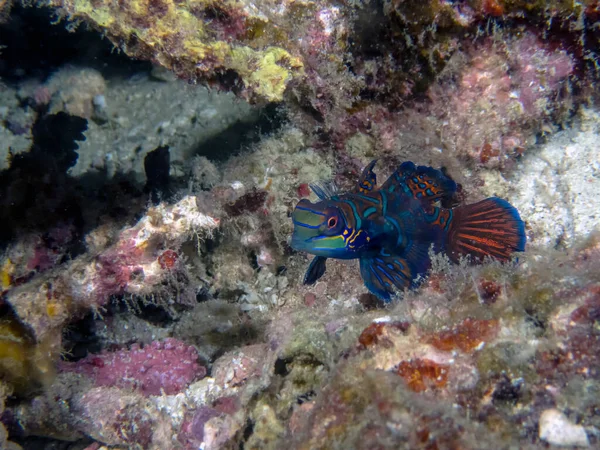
504	95
167	366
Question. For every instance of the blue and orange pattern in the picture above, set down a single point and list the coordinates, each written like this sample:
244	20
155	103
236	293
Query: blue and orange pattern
392	229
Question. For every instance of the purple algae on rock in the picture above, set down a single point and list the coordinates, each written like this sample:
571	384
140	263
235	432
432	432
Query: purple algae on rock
167	366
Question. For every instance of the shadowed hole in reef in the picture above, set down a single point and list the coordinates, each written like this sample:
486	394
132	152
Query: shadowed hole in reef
157	165
534	319
40	443
79	339
248	430
306	397
36	192
253	259
203	295
154	313
33	46
281	368
238	136
507	390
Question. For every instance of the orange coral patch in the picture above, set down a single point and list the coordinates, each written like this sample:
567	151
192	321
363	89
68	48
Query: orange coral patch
493	8
373	332
370	335
168	259
465	336
421	374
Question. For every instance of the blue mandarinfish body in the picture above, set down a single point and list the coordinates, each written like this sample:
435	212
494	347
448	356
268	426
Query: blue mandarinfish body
391	229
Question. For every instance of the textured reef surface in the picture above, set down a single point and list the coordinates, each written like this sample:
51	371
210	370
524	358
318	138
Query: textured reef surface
152	153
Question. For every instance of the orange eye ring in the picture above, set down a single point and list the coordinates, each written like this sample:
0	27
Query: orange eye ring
332	222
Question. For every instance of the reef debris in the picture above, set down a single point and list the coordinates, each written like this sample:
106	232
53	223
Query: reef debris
138	263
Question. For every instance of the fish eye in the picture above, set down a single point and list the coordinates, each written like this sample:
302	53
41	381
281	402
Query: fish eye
332	222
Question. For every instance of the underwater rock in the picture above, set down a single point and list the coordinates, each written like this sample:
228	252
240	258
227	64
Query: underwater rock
209	411
204	173
167	366
73	90
557	187
231	44
131	265
557	430
491	106
26	363
116	417
237	367
209	429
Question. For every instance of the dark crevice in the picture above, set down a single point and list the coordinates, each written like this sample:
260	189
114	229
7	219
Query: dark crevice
37	195
306	397
248	430
34	47
79	339
153	313
281	368
240	135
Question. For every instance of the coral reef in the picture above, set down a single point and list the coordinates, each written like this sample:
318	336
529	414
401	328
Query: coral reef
25	363
443	368
78	92
258	49
15	134
139	263
149	297
554	186
506	92
221	43
477	367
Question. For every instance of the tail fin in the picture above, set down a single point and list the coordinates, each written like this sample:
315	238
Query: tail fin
491	227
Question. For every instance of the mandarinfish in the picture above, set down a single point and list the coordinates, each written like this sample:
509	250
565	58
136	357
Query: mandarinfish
391	229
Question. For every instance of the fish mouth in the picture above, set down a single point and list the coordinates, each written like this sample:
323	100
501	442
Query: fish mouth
298	243
328	246
302	243
306	244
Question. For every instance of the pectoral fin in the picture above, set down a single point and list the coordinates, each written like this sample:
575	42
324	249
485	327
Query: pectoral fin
385	276
315	270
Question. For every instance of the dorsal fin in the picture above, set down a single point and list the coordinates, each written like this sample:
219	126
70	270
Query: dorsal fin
324	189
420	182
367	180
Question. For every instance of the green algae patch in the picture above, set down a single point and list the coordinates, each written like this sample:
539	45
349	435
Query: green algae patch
309	339
199	40
266	72
24	363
